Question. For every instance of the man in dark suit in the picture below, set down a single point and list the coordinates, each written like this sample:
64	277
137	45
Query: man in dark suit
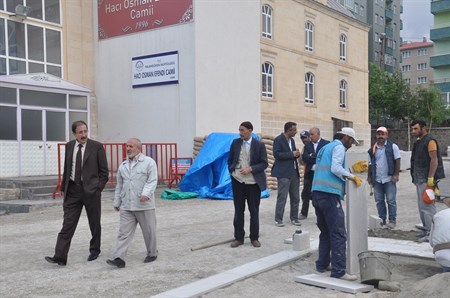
85	176
285	168
247	162
309	158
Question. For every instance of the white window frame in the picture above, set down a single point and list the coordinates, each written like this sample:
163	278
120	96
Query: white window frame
267	13
343	47
309	36
267	79
343	94
421	80
309	87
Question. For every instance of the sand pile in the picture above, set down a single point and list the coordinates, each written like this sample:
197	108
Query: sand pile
436	286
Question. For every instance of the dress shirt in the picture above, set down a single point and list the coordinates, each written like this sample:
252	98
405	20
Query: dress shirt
382	164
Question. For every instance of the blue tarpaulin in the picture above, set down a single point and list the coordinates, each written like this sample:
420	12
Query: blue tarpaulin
208	176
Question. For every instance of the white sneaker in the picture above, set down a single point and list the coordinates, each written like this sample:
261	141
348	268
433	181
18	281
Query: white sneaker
348	277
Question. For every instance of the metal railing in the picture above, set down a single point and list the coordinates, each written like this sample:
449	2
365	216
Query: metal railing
116	153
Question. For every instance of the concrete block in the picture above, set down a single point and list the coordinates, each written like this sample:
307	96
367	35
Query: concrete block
333	283
356	223
374	222
301	241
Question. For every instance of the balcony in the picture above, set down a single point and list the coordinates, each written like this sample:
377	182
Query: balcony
389	51
389	14
440	33
389	32
440	61
443	86
439	6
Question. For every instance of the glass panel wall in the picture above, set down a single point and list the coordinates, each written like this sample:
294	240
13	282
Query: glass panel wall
56	126
8	123
31	125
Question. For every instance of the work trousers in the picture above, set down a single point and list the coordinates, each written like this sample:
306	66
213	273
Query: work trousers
333	236
128	223
252	194
426	211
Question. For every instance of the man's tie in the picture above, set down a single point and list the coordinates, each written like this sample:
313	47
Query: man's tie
78	165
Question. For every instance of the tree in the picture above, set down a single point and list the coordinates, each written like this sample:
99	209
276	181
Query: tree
388	96
431	108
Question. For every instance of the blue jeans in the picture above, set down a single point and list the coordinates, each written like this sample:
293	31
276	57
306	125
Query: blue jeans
385	194
333	236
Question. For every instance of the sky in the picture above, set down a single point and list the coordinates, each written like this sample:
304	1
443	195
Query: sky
417	20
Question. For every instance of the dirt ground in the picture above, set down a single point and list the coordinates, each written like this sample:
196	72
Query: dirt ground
26	238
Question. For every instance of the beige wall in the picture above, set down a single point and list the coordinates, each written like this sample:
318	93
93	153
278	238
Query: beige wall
413	61
78	50
286	52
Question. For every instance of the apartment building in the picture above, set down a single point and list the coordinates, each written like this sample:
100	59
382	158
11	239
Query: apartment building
415	65
440	35
383	17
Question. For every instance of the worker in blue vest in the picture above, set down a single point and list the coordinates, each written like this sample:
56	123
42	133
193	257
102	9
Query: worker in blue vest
327	192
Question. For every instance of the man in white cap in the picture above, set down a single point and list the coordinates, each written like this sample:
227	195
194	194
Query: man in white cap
384	169
327	192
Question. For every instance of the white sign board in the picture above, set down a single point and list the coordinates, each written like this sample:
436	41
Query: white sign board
158	69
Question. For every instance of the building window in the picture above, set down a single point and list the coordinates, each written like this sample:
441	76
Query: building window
343	94
27	48
376	18
406	68
394	9
406	54
407	81
421	66
394	27
267	80
309	35
356	9
381	20
309	88
362	10
422	52
377	56
267	21
343	47
421	80
377	37
394	44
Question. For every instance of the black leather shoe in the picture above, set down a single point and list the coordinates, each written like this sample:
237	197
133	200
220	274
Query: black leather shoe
55	260
92	256
149	259
118	262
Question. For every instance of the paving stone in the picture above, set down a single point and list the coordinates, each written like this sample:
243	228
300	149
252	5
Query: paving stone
333	283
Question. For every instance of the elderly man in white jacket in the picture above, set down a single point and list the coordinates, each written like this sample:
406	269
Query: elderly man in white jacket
440	237
135	199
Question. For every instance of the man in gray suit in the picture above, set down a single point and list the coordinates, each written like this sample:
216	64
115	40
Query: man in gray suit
85	176
286	170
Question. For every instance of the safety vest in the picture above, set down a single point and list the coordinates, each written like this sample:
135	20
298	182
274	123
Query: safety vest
324	180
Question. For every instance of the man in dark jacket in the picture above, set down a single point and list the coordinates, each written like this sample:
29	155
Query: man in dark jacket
309	158
247	162
426	170
285	168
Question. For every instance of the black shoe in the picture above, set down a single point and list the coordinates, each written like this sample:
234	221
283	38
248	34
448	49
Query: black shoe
55	260
118	262
93	256
149	259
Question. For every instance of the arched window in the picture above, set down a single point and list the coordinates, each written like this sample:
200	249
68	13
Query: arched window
343	94
267	80
343	47
309	88
267	21
309	35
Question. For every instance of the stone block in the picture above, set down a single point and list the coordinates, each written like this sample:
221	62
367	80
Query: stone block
333	283
374	222
300	241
